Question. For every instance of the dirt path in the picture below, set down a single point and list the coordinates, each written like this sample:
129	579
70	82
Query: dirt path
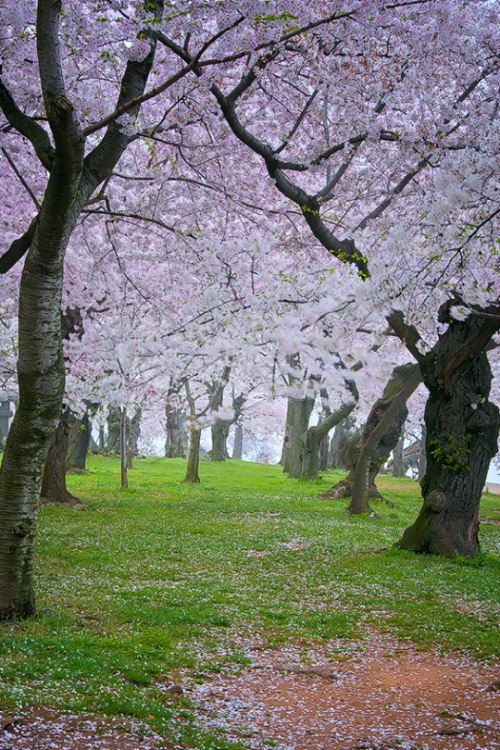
375	694
387	696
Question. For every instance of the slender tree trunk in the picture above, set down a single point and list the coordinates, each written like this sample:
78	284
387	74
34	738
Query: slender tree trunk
40	357
192	476
238	442
462	431
398	469
134	432
422	461
297	421
324	448
54	488
123	447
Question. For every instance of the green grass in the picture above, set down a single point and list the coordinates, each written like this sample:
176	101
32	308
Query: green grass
142	587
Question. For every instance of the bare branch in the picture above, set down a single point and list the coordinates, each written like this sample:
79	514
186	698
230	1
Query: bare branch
21	178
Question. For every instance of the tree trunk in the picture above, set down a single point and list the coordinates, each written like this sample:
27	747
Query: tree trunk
398	469
462	431
175	442
192	476
378	450
383	434
340	435
312	438
40	365
134	432
123	447
113	420
297	421
220	432
238	442
54	488
79	442
324	448
422	461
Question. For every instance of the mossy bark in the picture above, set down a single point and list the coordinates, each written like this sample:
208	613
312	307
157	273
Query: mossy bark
461	438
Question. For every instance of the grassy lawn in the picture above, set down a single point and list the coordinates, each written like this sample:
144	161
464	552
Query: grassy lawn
143	586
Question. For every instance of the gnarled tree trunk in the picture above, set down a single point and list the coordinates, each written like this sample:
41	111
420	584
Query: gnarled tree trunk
462	431
367	456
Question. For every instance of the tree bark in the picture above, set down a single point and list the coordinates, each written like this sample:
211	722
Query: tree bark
312	438
72	180
238	442
378	450
398	469
341	434
176	431
324	448
193	462
388	429
79	442
54	488
297	422
462	431
422	461
123	447
113	420
133	434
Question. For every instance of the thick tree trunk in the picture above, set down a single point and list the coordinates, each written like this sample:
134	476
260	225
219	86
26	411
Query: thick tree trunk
54	488
462	431
238	442
123	447
192	476
297	422
176	438
220	432
79	442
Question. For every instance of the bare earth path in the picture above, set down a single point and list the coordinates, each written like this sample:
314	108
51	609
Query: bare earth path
375	694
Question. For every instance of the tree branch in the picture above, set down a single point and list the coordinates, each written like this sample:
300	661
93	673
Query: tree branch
27	127
21	178
18	248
